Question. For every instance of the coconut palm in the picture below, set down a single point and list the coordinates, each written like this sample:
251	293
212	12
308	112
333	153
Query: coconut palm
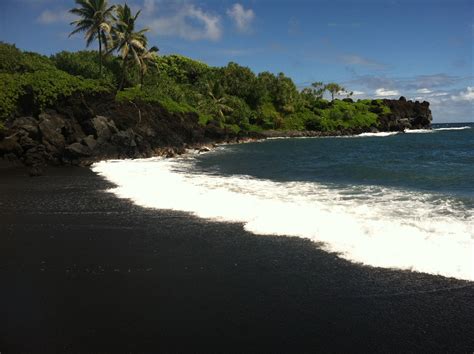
147	57
127	42
213	101
95	18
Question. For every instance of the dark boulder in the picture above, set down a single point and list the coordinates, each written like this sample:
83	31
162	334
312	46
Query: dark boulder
125	139
37	156
10	144
104	128
76	150
90	142
27	124
51	127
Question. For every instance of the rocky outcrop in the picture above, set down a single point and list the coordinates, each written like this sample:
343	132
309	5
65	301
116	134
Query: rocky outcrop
405	115
79	131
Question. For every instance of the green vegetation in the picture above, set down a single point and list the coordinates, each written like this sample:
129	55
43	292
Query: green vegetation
29	79
231	97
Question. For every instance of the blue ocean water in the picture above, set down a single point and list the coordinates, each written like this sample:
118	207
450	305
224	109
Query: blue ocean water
440	161
403	201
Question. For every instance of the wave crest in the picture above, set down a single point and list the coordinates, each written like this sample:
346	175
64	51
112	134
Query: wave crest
372	225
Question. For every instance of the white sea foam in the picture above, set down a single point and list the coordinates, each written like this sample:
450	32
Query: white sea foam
381	134
453	128
375	226
418	131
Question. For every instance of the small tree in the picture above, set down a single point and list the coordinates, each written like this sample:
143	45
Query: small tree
333	89
146	58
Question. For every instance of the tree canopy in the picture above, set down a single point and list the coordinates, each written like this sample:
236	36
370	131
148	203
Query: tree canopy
232	96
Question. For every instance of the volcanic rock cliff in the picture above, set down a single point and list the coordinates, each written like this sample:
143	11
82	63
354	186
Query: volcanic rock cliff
81	130
405	115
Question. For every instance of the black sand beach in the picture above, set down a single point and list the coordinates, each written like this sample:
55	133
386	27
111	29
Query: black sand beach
82	271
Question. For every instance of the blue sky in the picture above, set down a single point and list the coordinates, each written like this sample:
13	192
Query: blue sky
421	49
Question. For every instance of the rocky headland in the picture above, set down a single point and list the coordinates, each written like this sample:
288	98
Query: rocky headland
82	129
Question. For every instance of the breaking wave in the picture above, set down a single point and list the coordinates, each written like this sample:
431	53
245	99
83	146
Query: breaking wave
372	225
453	128
381	134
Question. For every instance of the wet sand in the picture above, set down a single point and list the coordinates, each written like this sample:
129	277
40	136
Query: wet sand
83	271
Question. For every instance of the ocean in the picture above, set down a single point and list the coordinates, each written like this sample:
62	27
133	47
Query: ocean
401	201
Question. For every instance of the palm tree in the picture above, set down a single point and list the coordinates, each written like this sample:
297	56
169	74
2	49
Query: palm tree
217	103
147	57
130	44
95	18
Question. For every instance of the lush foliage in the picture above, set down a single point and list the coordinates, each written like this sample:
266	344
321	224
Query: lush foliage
86	64
33	80
232	97
136	94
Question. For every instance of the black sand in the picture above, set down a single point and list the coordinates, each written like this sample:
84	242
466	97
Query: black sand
82	271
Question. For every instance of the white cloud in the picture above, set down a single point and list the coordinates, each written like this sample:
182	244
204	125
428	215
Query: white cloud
48	17
358	93
354	59
241	17
467	95
189	22
383	92
424	90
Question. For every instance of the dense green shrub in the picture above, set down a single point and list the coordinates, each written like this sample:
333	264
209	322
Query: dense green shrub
11	88
181	69
10	58
43	88
302	120
32	62
343	114
136	94
240	113
86	64
47	87
267	116
14	61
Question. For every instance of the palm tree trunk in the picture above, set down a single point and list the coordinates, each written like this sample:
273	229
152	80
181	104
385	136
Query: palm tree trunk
100	53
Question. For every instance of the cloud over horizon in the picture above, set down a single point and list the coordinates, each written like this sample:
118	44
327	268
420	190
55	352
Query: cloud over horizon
382	92
188	22
241	17
48	17
354	59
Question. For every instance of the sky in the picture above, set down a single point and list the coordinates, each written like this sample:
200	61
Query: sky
421	49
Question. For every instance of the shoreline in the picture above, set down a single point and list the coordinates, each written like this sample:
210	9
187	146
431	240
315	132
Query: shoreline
81	130
85	271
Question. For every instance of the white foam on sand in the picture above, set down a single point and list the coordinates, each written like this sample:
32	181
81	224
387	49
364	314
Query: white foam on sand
371	225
